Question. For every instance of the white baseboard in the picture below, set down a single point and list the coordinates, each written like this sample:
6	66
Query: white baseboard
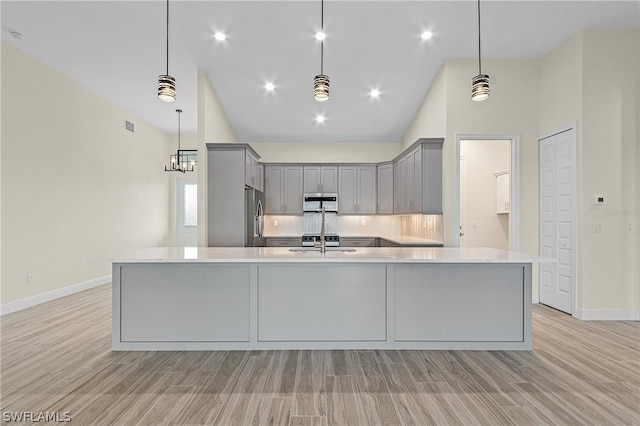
607	315
28	302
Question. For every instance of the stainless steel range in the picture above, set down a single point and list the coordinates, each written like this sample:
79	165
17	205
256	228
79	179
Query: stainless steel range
332	240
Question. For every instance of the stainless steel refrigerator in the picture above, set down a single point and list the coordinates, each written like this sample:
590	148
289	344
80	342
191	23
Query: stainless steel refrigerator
254	218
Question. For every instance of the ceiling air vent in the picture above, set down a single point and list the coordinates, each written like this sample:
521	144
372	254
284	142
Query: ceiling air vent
128	125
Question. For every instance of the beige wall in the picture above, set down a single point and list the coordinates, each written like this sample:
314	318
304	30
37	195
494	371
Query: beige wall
431	117
326	152
561	87
591	79
213	126
608	159
1	178
76	186
510	110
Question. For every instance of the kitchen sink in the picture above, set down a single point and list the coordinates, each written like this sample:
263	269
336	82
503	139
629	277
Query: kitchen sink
314	249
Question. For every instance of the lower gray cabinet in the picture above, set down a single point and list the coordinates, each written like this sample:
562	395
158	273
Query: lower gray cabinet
283	241
386	243
358	242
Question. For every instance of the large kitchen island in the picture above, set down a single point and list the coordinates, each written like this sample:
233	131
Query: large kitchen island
273	298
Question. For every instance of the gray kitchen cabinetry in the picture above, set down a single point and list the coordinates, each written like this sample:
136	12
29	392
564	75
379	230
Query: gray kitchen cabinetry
399	182
284	242
251	170
283	189
357	189
432	176
386	243
358	242
319	178
414	181
385	188
417	175
408	196
230	166
260	177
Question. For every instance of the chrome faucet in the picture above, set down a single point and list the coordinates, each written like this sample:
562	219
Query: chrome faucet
322	244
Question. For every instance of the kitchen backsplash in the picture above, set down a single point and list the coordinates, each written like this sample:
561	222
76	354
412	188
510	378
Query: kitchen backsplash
424	226
428	226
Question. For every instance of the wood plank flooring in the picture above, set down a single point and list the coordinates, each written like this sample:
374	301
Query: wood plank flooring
57	357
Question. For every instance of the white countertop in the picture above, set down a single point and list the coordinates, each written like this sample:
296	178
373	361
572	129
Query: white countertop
361	255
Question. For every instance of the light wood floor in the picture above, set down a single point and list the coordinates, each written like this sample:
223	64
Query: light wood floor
57	357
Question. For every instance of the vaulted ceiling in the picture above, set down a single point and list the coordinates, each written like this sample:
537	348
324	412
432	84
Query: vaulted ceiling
117	48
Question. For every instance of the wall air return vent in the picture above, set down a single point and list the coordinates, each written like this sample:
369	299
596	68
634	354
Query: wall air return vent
129	126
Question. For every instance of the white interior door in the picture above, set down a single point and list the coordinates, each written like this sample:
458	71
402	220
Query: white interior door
557	207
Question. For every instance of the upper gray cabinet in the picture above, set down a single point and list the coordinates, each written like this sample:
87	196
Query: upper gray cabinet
413	201
385	188
418	179
357	189
260	177
252	177
319	178
399	185
432	177
283	189
410	184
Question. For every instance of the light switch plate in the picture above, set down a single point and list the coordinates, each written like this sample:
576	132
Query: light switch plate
596	227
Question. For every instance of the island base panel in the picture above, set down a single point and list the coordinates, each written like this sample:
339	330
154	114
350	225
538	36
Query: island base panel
316	303
468	303
184	303
306	305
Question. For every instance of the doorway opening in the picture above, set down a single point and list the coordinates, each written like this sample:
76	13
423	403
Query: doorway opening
487	213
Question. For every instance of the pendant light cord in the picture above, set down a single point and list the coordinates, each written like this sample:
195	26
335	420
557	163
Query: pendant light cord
168	39
322	42
479	48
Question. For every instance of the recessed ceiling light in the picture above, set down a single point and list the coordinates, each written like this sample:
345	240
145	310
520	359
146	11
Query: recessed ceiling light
220	36
320	36
320	119
426	35
374	93
269	87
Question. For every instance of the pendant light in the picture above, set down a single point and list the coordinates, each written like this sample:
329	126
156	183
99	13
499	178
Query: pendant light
479	83
166	83
321	81
184	160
